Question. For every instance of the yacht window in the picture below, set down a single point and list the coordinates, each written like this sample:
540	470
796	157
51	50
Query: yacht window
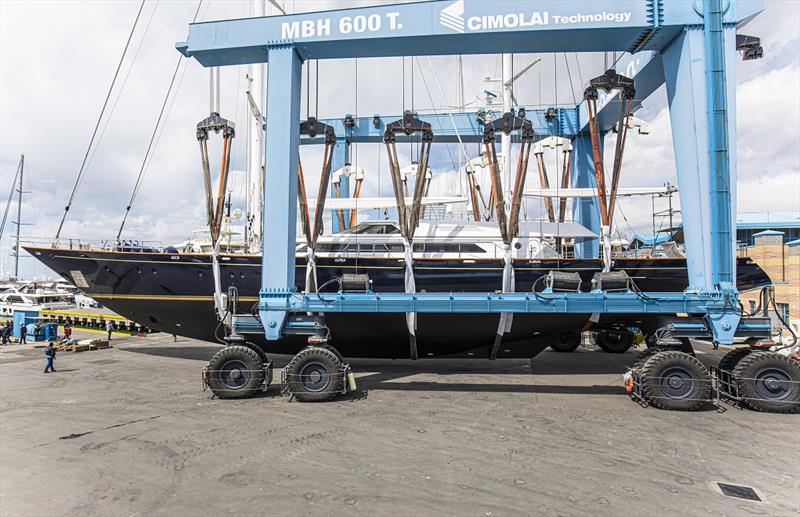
382	229
471	248
333	247
373	229
15	299
434	247
447	247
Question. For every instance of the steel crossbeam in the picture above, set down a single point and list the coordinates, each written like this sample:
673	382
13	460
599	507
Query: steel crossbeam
580	303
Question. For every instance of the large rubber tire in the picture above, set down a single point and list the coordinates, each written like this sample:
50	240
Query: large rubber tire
614	341
769	382
257	349
642	356
235	372
315	374
567	342
675	381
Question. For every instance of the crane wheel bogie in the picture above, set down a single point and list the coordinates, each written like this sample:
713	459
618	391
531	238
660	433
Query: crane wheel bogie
614	341
315	374
235	372
567	342
675	381
768	382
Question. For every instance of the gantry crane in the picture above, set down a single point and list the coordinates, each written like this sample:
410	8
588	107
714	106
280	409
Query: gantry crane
689	48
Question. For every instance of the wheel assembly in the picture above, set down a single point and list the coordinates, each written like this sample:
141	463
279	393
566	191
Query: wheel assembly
567	342
768	382
235	372
726	366
642	356
614	341
315	374
675	380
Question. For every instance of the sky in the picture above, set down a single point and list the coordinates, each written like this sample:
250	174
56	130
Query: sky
57	60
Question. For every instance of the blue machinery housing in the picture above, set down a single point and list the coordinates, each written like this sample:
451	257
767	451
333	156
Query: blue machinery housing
689	46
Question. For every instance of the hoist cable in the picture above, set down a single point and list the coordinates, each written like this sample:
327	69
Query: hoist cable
82	170
137	186
308	89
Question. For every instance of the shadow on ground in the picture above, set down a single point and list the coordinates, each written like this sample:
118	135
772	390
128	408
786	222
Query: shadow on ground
385	374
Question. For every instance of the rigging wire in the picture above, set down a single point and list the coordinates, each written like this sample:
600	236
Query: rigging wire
139	180
571	84
121	89
10	197
449	113
578	65
430	97
82	170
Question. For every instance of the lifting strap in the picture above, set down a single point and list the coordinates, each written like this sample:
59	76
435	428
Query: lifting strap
473	194
312	127
215	210
565	177
356	195
544	181
336	181
562	202
408	220
509	230
347	219
607	82
554	142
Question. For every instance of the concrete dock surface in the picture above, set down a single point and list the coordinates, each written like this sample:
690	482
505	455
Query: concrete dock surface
128	431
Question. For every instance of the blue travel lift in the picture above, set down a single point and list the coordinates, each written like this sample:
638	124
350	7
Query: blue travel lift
690	46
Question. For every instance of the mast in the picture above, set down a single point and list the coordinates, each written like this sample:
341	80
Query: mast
505	139
460	83
19	214
255	160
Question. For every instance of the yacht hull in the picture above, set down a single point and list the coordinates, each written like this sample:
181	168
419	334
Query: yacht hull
173	293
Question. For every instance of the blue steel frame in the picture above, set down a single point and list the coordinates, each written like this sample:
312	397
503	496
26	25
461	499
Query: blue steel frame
668	41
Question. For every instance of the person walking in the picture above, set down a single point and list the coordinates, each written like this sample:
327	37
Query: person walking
50	354
109	328
67	331
6	331
23	335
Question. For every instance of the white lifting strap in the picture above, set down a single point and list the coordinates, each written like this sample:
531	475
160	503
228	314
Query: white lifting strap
410	286
506	318
311	270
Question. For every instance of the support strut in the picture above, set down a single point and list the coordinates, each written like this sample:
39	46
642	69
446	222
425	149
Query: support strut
509	230
607	82
215	209
408	220
312	127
